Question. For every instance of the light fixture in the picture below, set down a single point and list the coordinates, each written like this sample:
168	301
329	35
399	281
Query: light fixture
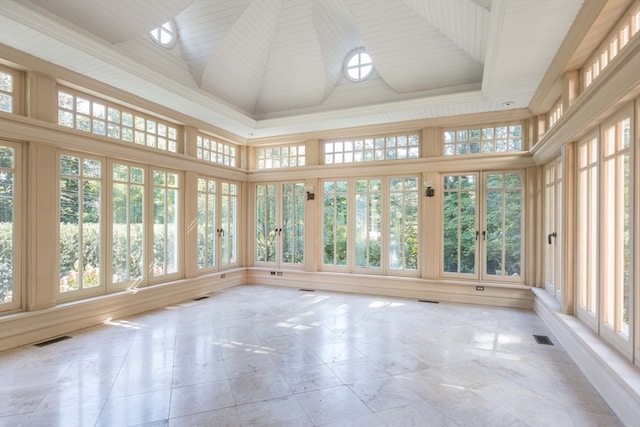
429	192
309	191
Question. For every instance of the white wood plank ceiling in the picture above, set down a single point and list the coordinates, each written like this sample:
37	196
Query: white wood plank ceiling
261	68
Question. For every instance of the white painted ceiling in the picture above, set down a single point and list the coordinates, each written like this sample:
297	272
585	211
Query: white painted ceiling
259	68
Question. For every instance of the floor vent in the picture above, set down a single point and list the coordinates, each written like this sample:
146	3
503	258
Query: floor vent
543	339
429	301
202	297
52	341
306	290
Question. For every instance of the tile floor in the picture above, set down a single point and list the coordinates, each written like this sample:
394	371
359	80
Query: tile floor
266	356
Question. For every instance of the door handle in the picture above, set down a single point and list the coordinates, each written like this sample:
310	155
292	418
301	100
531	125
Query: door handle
549	236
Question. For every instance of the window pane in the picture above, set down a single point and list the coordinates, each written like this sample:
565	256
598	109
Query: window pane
7	205
128	224
459	219
80	235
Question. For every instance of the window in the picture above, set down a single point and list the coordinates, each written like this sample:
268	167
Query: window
368	219
587	202
615	226
215	151
604	266
88	114
6	91
627	28
228	224
280	157
10	214
556	112
403	223
483	241
492	139
166	207
208	230
165	35
383	214
396	147
80	222
553	231
335	222
217	244
280	224
127	238
358	65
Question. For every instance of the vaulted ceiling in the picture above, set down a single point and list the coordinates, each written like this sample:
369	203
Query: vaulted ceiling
260	68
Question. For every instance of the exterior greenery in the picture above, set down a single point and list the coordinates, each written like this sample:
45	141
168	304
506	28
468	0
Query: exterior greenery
7	177
500	233
280	225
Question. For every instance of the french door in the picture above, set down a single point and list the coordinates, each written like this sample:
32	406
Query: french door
552	225
280	224
217	223
482	237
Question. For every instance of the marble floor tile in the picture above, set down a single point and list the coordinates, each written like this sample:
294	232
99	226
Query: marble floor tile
268	356
331	405
284	411
260	386
135	409
200	398
307	378
225	417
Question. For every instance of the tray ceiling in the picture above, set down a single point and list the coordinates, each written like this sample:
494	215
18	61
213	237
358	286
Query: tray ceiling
261	68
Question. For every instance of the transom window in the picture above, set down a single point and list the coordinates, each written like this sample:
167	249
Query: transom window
358	66
280	157
628	27
165	35
491	139
556	112
88	114
6	92
215	151
395	147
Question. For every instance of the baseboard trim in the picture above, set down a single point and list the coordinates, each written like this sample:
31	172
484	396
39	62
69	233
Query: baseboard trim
616	378
34	326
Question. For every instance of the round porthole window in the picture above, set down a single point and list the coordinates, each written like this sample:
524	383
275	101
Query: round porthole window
165	35
358	65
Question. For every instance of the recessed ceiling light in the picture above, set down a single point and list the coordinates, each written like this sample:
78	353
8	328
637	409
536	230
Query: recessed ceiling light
508	103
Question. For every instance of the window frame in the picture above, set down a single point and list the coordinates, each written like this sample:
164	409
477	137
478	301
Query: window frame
19	233
553	228
101	289
606	290
220	232
179	228
145	258
265	156
453	138
17	93
144	131
205	151
172	31
480	222
626	29
373	148
587	230
280	232
383	226
346	67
